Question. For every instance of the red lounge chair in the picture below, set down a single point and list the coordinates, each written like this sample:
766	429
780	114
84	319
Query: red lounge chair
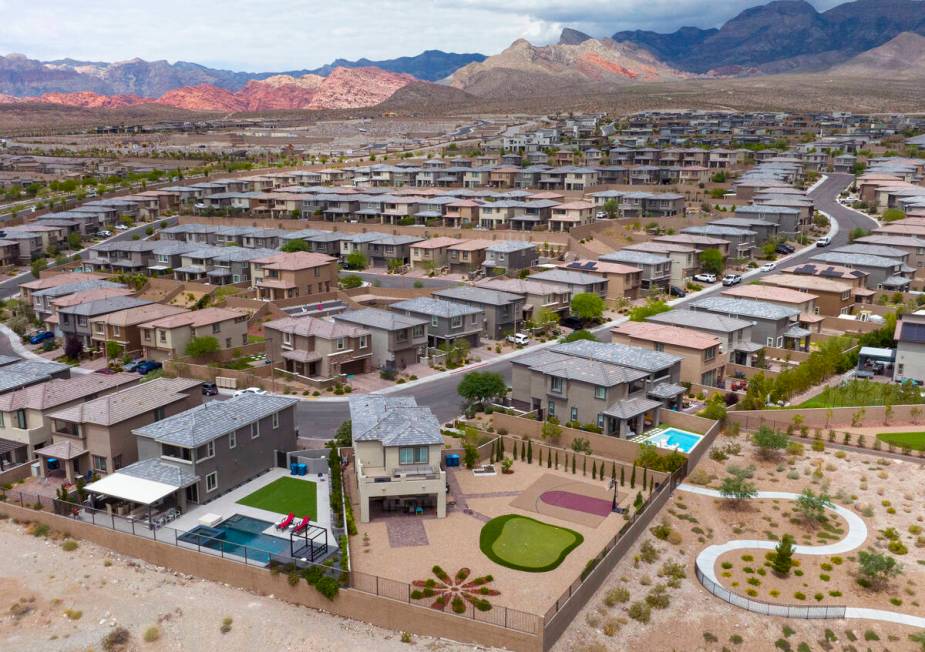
301	526
286	522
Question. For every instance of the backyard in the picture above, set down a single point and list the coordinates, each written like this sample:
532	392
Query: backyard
858	393
911	440
285	496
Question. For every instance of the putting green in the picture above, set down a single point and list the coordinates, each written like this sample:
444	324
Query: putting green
522	543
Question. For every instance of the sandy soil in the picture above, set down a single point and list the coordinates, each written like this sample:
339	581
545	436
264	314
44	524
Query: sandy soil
112	591
694	620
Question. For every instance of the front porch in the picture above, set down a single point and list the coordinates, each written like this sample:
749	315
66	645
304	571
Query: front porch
64	459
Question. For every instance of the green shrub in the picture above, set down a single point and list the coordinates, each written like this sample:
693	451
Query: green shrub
640	611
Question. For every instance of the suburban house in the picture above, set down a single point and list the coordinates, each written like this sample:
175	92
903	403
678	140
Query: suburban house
773	325
297	274
685	260
571	214
833	297
699	242
123	326
397	448
167	337
74	321
319	349
742	242
16	373
449	321
503	310
910	348
24	413
623	281
97	432
735	335
537	296
468	256
391	248
882	273
397	340
432	254
802	301
656	268
509	257
27	289
43	300
573	282
212	448
764	230
703	361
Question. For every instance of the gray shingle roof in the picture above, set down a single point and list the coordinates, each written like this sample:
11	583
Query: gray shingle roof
507	246
619	354
566	276
376	318
700	320
865	260
103	306
478	295
635	257
744	308
80	286
213	419
631	407
394	421
435	307
158	470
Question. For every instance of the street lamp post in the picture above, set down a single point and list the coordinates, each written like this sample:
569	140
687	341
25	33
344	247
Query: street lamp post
613	505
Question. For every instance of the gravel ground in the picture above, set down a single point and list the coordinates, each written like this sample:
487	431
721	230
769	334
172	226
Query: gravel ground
43	587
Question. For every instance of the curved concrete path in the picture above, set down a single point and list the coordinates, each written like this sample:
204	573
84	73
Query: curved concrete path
857	534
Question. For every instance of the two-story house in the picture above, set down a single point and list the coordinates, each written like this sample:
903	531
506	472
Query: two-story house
167	337
573	281
537	296
468	256
449	321
656	268
297	274
318	349
735	335
772	325
703	361
397	456
123	326
102	427
509	257
503	310
432	254
397	340
74	320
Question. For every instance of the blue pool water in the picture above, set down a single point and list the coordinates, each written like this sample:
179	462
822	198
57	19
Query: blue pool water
235	534
685	441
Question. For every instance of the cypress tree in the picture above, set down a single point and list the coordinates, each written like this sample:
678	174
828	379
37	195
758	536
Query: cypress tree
540	460
594	469
633	477
645	479
557	460
613	473
530	452
622	479
523	450
548	459
500	448
584	465
573	463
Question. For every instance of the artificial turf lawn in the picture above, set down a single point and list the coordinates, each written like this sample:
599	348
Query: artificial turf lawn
912	440
526	544
286	495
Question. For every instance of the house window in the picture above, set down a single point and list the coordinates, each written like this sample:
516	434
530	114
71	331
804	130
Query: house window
212	481
21	420
255	430
341	344
600	421
147	336
456	322
216	328
232	440
162	336
177	452
275	420
780	342
418	331
210	449
158	414
710	353
552	409
659	346
2	424
556	385
770	341
287	338
116	462
413	455
99	463
573	414
363	343
475	319
434	321
116	331
600	392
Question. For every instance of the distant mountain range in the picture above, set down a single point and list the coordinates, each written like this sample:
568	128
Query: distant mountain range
784	36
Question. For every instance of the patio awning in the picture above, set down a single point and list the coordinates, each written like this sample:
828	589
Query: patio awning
631	407
795	332
667	390
7	445
896	282
747	347
127	487
63	450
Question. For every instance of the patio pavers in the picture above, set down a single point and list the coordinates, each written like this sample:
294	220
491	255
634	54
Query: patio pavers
405	531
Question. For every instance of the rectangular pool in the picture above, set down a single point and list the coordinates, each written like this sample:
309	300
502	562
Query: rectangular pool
682	440
236	533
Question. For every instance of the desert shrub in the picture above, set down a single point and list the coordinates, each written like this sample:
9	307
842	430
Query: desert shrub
616	595
152	634
116	639
640	611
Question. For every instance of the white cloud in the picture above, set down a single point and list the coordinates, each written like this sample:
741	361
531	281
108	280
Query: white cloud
290	34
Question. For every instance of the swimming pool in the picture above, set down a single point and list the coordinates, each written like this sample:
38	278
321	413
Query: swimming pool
683	440
236	533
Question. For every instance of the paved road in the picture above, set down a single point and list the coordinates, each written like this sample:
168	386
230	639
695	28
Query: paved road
825	196
399	281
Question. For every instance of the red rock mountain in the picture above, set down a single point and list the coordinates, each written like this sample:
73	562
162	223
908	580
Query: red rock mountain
343	88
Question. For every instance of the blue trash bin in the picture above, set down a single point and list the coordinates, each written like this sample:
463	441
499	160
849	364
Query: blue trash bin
294	469
452	459
303	469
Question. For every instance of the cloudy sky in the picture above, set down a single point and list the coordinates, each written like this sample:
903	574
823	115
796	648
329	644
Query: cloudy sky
270	35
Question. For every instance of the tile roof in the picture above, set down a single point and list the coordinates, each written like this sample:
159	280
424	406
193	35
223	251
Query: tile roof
127	403
635	257
633	357
102	306
666	334
744	308
382	319
206	422
27	372
294	261
570	277
769	293
195	318
314	327
158	470
478	295
631	407
59	391
393	421
435	307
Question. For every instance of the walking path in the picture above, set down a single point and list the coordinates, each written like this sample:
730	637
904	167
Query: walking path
857	534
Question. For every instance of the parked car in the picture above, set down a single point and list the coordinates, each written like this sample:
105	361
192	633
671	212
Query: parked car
705	278
675	291
520	339
148	366
250	390
41	336
199	205
209	389
784	249
824	242
572	322
768	267
731	279
104	234
121	227
133	365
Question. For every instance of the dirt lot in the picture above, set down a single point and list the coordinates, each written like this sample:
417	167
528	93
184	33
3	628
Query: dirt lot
887	494
53	599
